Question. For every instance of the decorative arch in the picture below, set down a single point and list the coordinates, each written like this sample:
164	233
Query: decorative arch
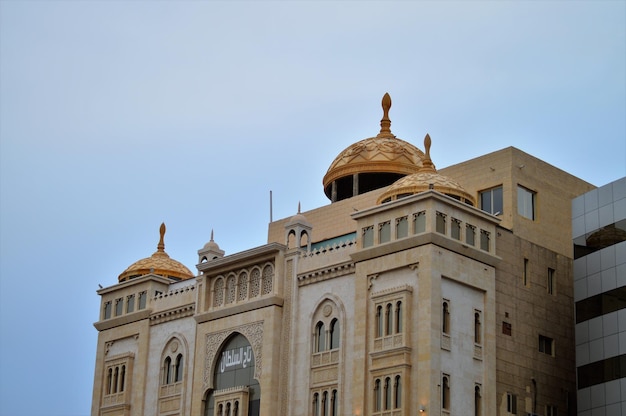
173	375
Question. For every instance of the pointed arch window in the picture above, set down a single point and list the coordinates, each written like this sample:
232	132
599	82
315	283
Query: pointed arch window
167	370
377	395
397	398
398	317
334	334
179	369
320	337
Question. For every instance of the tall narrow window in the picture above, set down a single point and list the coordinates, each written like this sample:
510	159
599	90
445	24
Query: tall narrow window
477	328
388	319
107	310
116	377
368	236
550	282
325	403
334	406
387	404
470	234
478	405
377	395
334	334
109	387
484	240
511	403
491	200
316	404
441	223
143	297
402	227
384	232
445	325
130	303
398	317
525	272
123	378
119	306
397	398
179	369
419	222
526	203
167	370
455	229
379	321
445	392
320	335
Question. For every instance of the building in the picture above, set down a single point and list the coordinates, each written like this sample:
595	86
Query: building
416	290
599	232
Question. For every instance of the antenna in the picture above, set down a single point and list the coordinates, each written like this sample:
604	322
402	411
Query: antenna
271	220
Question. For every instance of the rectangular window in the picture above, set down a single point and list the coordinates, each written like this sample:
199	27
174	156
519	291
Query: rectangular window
491	200
419	222
130	303
441	223
546	345
143	297
507	328
384	232
525	273
550	283
470	234
511	403
455	229
119	306
484	240
526	202
402	227
107	310
551	410
368	236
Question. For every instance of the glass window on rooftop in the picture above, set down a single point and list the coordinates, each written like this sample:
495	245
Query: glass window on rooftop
526	202
491	200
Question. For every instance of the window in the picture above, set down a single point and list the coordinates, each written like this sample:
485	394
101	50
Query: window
368	236
119	306
402	227
377	395
455	229
445	392
526	202
507	328
178	376
419	222
550	282
470	234
107	310
398	317
511	403
379	321
334	334
167	371
546	345
441	223
316	404
320	337
387	404
477	328
397	398
334	406
484	240
143	297
478	404
130	303
525	275
491	201
388	319
445	325
384	232
551	410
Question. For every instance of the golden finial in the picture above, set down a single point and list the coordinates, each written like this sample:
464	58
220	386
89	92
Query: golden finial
298	207
427	163
161	245
211	234
385	123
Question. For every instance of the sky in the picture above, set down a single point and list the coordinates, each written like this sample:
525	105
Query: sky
116	116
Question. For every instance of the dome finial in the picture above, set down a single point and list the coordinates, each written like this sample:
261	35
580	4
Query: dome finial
385	122
298	207
211	234
161	245
427	163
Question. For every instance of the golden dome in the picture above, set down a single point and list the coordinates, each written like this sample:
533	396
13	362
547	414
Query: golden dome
427	178
380	160
159	263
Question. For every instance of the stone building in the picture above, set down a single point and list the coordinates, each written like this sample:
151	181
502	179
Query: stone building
416	290
599	232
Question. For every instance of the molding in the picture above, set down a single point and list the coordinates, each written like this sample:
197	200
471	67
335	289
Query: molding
241	308
172	314
122	320
326	273
242	259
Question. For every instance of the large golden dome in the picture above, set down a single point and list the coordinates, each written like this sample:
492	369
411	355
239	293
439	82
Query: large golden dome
371	163
159	263
427	178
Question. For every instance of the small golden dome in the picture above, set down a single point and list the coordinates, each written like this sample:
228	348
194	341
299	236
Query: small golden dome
381	160
159	263
427	178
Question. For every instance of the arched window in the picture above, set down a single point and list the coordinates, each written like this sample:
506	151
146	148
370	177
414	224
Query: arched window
398	317
387	393
477	402
110	381
227	409
397	396
268	278
220	410
320	338
334	334
388	319
477	328
377	395
255	283
243	286
316	404
445	325
167	370
122	378
115	379
325	404
218	295
334	406
445	393
236	408
230	289
379	321
179	369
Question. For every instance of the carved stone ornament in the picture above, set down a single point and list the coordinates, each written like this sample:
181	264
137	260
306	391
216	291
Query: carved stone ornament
214	341
328	310
174	346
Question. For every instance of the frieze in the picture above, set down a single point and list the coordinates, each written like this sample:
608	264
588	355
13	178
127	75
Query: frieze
252	331
325	274
172	314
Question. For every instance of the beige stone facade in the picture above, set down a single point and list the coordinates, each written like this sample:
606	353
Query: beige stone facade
384	302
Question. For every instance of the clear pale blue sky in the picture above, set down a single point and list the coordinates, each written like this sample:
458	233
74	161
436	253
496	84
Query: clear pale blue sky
118	115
